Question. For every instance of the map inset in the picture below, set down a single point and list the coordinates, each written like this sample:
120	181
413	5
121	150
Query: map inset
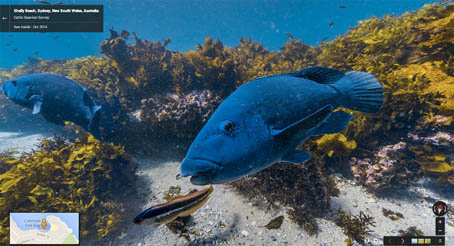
44	228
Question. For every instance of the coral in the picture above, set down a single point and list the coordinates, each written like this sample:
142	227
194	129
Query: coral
80	175
356	227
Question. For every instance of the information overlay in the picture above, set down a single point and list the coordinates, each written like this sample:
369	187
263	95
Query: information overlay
51	18
44	228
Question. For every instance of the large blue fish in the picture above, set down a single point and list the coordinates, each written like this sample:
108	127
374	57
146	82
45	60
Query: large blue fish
56	98
264	120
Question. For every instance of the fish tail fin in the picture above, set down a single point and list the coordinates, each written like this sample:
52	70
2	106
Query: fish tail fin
360	91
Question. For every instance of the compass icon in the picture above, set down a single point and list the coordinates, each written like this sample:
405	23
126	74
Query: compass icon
440	208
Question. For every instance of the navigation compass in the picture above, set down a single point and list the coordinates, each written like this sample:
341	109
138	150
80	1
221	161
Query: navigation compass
440	208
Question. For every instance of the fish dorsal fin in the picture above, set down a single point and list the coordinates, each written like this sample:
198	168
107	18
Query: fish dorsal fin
305	124
320	75
37	103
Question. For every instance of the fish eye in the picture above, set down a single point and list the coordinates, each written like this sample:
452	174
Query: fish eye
227	126
14	82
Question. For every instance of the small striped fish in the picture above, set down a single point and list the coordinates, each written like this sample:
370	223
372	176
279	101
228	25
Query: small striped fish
170	211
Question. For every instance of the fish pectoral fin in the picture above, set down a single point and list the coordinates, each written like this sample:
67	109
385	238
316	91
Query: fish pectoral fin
322	75
37	103
305	124
88	101
297	157
37	107
95	118
336	122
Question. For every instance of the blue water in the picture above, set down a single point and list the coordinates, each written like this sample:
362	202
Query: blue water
187	23
71	220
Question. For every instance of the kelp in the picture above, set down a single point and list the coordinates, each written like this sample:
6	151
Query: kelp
78	175
408	54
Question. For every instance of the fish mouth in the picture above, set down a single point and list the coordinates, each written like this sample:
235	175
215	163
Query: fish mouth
3	86
138	220
202	171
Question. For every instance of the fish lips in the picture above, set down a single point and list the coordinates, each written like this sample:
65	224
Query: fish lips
140	220
202	171
4	89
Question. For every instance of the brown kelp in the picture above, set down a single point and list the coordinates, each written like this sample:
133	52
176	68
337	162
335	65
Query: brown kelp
78	175
356	227
309	185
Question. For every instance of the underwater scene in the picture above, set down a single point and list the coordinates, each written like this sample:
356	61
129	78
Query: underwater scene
231	122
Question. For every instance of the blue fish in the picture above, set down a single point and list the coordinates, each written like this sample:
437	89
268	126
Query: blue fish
264	120
56	98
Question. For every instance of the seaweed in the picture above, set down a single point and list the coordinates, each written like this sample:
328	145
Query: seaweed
275	223
356	227
78	175
309	185
392	215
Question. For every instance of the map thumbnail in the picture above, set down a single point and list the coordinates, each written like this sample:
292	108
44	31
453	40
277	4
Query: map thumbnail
44	228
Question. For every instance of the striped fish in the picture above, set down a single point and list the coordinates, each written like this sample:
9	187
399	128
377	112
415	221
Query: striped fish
170	211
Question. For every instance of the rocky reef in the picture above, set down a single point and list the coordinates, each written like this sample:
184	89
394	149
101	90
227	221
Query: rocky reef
155	94
168	115
77	175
